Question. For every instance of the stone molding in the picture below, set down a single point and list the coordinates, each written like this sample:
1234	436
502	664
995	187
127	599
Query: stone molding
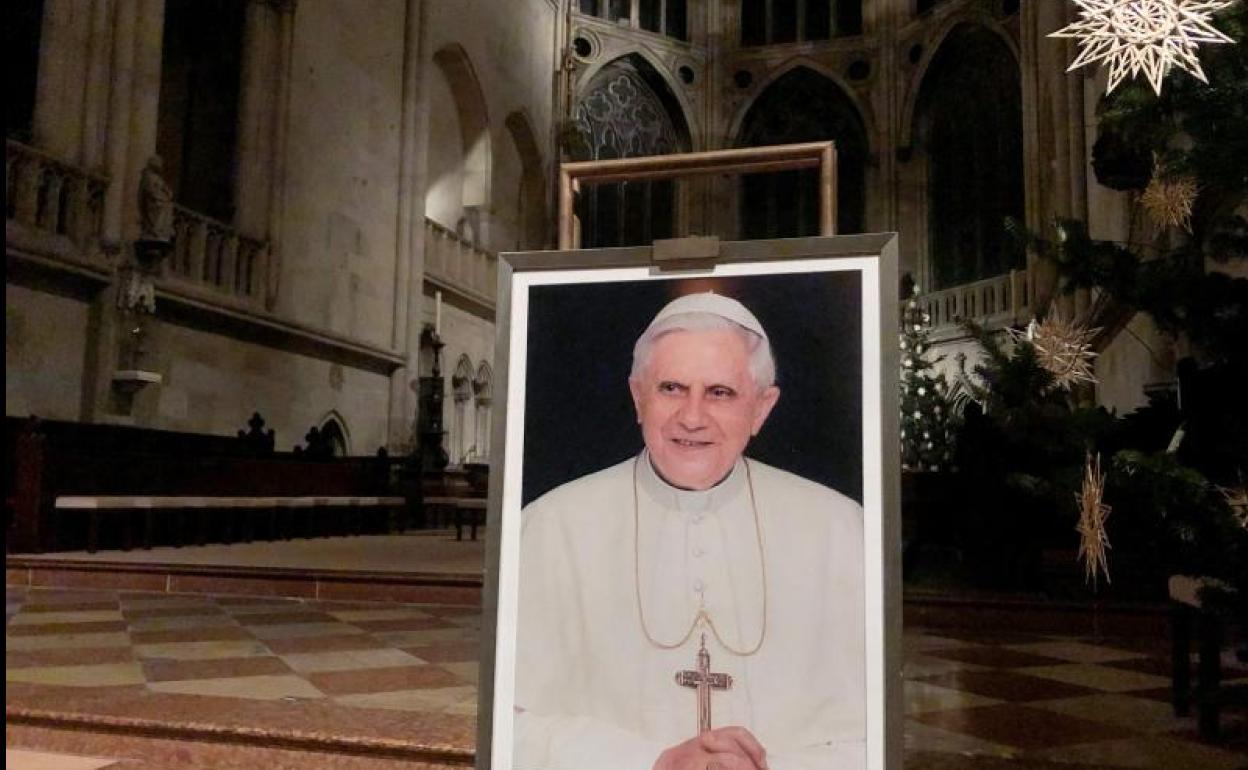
195	307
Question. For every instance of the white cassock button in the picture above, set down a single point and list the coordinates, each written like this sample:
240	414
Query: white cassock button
697	519
698	586
697	551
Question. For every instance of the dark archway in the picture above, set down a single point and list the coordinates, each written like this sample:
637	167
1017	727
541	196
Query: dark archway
803	106
627	111
969	128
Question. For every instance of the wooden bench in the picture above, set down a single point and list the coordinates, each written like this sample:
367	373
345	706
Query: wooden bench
71	477
455	496
278	509
465	512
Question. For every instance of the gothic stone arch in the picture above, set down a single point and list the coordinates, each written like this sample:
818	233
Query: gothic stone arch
532	204
474	125
801	105
968	143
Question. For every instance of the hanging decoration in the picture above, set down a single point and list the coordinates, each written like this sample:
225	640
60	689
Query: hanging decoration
1148	37
1168	202
1093	539
1237	500
1063	347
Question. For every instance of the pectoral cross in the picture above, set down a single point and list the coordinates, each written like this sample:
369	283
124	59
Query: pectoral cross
704	681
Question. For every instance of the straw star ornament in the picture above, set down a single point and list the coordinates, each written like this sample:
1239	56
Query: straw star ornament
1093	539
1063	347
1148	37
1168	202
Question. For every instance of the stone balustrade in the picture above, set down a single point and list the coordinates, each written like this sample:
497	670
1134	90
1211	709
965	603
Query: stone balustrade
998	301
212	253
54	197
458	265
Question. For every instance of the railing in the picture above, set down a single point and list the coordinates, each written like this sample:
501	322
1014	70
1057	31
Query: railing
1002	299
210	252
460	265
52	196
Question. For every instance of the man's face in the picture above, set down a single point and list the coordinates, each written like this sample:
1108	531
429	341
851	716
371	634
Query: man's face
698	405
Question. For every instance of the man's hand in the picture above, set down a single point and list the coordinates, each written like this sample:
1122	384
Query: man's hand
728	748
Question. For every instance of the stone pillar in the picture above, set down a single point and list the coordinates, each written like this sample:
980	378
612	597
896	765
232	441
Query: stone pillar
1045	134
887	95
144	105
59	89
118	142
137	32
96	86
256	113
277	173
409	269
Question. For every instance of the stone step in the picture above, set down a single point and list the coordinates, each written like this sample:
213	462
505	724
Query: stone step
136	747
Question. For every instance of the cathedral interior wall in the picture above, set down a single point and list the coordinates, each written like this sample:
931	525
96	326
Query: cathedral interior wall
509	48
213	383
337	188
341	194
45	350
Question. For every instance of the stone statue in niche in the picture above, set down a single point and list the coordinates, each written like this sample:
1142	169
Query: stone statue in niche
155	204
138	293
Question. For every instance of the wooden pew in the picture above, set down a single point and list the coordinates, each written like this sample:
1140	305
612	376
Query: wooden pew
79	486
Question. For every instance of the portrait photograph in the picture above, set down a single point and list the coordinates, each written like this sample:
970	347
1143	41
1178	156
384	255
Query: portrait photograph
691	519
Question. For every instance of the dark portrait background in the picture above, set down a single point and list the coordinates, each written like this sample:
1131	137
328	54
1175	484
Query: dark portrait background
579	416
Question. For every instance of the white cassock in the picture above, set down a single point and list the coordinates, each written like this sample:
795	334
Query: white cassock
593	692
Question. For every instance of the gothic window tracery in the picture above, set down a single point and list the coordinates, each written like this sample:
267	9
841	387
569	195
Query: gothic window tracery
622	114
803	106
770	22
664	17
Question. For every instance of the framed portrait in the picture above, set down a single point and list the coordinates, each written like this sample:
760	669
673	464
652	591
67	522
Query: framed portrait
693	546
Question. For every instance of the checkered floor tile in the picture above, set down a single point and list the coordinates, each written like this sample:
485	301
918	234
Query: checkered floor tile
974	699
409	657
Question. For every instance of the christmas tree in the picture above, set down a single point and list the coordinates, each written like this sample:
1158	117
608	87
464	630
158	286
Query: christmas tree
927	425
1179	155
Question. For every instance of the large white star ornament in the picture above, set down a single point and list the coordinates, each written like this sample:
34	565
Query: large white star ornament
1144	36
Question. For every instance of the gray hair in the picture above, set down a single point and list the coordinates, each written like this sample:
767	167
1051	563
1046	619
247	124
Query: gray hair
762	362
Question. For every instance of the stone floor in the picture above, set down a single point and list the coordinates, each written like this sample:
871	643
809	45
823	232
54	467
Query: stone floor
425	551
356	672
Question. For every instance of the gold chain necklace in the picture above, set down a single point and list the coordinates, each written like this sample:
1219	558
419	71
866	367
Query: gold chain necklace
702	616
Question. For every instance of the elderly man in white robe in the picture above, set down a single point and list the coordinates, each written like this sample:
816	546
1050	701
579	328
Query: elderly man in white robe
634	578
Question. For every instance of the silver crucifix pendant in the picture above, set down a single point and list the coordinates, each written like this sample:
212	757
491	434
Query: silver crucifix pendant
704	681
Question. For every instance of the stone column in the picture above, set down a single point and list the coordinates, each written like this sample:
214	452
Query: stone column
256	113
409	270
58	90
137	32
271	269
96	86
888	119
144	105
1045	139
118	142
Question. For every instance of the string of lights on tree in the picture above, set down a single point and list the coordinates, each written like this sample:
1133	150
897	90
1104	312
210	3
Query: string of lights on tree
927	422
